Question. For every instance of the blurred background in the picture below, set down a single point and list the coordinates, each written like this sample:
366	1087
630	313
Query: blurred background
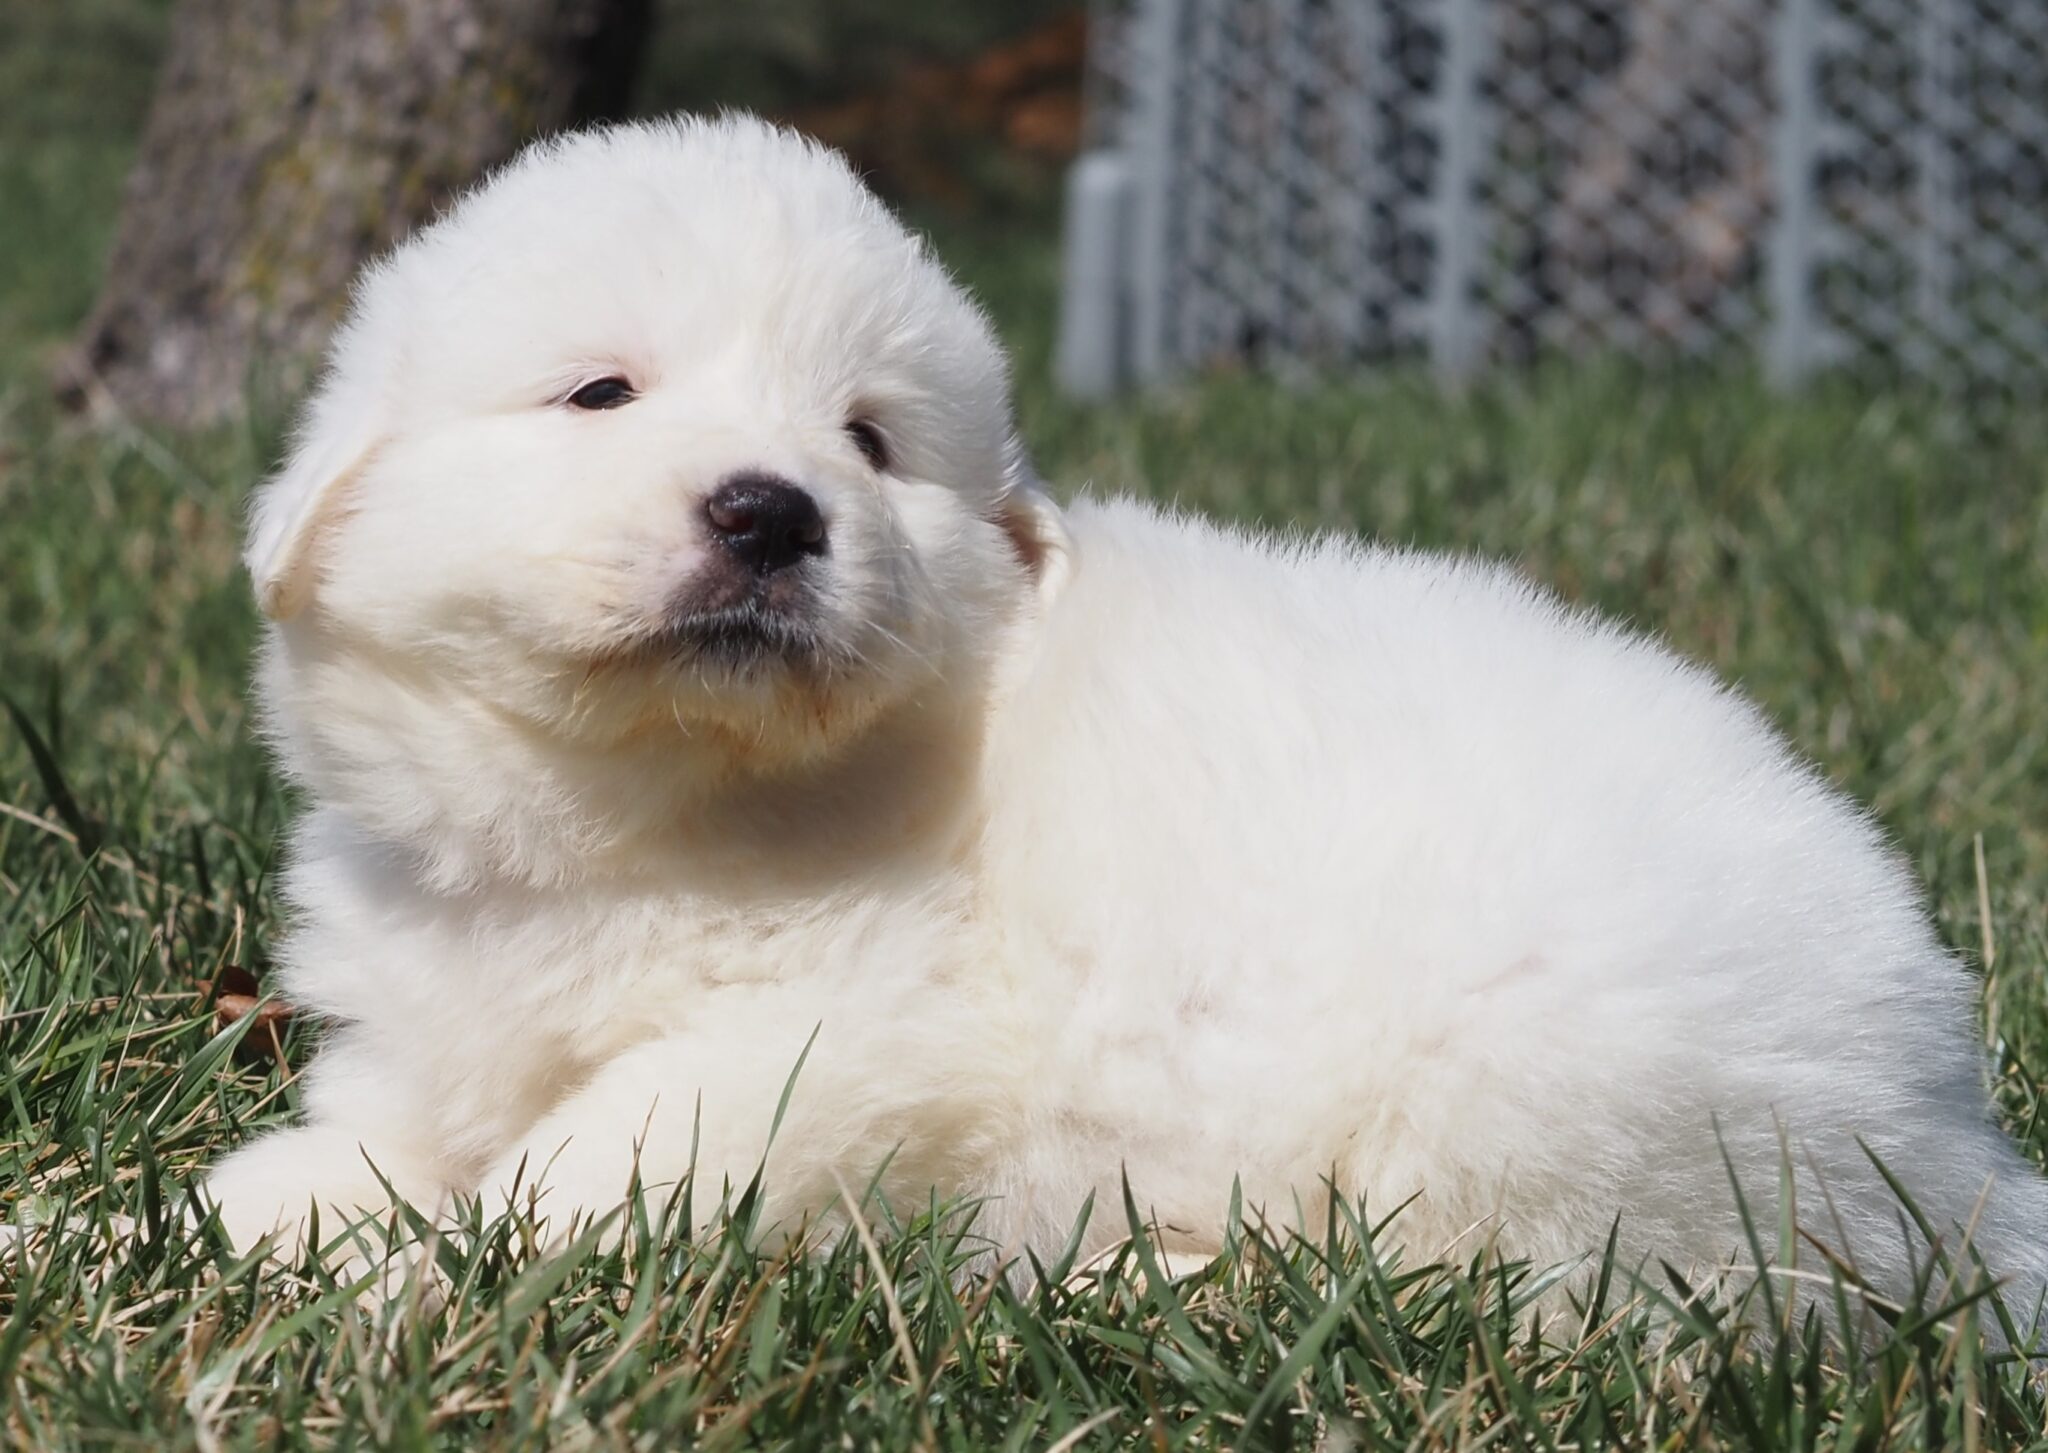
1802	186
188	187
1851	185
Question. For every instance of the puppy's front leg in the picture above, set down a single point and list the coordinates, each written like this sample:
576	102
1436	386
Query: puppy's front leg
877	1088
363	1134
664	1109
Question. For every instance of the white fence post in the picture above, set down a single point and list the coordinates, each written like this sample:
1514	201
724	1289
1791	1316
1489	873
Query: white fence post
1794	342
1153	146
1938	202
1456	325
1092	359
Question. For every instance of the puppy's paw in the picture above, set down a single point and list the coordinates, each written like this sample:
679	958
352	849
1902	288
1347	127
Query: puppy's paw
315	1184
564	1186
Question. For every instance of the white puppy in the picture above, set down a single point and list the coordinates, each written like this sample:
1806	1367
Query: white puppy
683	664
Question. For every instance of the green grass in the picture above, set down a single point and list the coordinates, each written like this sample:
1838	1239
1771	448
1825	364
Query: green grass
1876	576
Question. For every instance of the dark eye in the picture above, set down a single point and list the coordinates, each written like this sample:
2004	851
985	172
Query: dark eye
868	439
602	393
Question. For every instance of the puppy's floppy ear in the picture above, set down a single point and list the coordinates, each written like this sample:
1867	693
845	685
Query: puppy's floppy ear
336	436
1035	524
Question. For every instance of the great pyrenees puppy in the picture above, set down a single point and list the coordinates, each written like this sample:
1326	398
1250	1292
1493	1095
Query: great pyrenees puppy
686	671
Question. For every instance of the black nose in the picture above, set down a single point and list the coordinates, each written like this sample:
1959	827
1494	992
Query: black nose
766	522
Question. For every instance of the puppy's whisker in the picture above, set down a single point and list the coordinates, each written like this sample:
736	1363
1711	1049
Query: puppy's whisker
566	557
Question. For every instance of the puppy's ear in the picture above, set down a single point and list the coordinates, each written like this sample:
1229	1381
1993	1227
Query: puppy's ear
1036	526
336	437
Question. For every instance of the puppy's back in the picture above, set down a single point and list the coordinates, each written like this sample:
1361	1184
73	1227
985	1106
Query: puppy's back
1489	898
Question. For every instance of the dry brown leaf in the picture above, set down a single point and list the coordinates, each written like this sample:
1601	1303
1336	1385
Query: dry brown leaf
236	995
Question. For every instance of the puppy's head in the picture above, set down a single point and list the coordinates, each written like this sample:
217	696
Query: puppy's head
666	432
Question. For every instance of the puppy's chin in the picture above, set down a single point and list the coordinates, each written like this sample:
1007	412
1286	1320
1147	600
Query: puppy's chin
729	623
760	687
745	639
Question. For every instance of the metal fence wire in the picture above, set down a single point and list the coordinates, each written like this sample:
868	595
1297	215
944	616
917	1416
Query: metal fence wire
1833	184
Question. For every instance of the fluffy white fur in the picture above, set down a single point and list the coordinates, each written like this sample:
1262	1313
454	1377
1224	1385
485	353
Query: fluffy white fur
1085	842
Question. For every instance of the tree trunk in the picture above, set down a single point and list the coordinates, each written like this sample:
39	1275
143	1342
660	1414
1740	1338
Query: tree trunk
292	139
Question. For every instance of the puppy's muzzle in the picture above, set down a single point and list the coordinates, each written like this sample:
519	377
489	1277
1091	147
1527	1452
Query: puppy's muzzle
764	522
750	601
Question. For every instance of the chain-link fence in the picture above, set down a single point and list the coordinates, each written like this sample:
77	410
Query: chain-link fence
1857	184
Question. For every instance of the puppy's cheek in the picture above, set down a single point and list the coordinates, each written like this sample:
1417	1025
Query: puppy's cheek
966	570
876	600
473	616
574	611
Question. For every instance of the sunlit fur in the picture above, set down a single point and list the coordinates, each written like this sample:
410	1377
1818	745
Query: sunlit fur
1084	843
